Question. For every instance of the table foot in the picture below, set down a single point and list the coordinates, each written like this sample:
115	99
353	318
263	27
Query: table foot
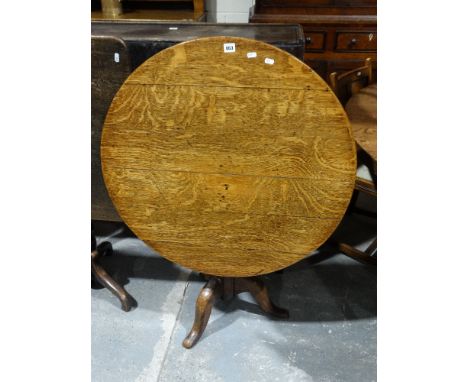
256	287
227	288
205	302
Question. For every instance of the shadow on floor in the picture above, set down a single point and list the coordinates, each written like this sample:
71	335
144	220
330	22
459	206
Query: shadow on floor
331	333
318	288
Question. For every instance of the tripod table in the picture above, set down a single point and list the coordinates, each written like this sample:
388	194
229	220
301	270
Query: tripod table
231	157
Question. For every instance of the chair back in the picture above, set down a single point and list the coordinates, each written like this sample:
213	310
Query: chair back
349	83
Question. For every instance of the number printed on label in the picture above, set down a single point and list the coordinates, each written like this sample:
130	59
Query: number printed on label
116	57
229	47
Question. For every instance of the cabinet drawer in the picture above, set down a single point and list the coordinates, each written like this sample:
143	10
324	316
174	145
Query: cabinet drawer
356	41
314	41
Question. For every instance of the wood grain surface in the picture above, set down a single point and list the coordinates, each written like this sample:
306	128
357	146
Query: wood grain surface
107	76
226	164
362	113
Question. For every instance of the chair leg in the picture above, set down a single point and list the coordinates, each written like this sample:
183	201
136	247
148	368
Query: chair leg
372	248
358	255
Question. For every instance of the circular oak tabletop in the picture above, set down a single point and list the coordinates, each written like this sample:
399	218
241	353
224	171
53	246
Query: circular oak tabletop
228	156
362	113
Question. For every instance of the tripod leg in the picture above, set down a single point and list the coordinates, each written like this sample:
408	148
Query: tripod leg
258	290
205	302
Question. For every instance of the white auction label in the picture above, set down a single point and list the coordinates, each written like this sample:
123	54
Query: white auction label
173	28
251	54
116	57
229	47
269	61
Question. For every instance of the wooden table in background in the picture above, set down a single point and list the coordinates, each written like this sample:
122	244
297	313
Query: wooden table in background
362	113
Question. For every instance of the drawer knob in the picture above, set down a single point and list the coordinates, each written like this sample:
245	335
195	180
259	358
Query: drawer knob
353	41
308	40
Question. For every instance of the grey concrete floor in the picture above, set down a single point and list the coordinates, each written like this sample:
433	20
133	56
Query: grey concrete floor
330	336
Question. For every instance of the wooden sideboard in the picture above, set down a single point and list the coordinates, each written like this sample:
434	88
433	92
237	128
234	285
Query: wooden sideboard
340	34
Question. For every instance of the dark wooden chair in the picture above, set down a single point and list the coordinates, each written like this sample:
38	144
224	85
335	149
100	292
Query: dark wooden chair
345	85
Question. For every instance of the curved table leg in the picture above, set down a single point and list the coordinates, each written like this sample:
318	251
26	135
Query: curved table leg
205	302
126	300
256	287
226	288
